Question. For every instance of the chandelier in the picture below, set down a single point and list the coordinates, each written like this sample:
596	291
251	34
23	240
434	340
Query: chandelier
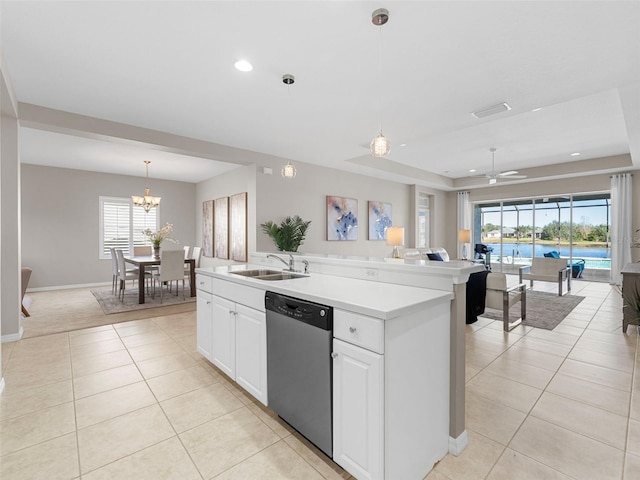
146	201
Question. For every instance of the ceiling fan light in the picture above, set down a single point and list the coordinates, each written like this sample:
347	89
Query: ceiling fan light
380	146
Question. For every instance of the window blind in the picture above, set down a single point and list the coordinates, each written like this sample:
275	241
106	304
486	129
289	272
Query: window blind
122	223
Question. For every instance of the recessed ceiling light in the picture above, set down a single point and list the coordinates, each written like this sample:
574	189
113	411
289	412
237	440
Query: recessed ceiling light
403	144
537	109
472	170
575	154
243	66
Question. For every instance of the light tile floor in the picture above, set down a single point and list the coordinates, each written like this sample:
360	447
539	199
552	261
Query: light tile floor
135	400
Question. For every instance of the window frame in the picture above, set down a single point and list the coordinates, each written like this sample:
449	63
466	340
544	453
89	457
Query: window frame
134	212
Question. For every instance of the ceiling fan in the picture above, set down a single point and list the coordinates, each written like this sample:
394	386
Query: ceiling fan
494	175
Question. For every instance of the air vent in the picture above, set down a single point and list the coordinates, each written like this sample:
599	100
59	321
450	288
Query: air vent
501	107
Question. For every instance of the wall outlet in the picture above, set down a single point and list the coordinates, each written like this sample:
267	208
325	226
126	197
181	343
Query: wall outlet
371	273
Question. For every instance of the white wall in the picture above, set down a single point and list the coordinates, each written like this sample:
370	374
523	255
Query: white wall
60	221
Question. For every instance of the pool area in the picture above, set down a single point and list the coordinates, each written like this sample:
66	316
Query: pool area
595	263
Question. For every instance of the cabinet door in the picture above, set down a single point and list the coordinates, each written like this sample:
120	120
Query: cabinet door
223	351
251	351
203	323
358	410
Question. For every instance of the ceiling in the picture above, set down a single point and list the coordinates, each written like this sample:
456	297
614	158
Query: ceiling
168	66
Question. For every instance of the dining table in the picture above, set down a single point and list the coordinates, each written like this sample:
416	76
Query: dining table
148	261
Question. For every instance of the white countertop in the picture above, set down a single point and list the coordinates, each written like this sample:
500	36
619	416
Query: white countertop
376	299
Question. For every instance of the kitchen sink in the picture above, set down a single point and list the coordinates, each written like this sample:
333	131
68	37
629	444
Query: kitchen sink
264	274
281	276
255	273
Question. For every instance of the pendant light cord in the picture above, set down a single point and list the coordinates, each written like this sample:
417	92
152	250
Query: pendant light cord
380	75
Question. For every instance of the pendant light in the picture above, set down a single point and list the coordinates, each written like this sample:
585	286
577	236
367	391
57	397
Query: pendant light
146	201
288	171
380	145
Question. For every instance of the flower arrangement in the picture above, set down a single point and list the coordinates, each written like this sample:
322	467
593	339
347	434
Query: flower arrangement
161	235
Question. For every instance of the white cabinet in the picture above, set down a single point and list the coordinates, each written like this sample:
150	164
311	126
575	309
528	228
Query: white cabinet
390	389
232	332
203	323
251	351
358	410
223	330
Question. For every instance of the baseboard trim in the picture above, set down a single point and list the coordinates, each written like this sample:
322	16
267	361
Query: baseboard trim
67	287
457	445
14	337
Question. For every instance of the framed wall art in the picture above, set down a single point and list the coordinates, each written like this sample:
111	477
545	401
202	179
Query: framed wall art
380	219
238	227
207	228
342	218
221	227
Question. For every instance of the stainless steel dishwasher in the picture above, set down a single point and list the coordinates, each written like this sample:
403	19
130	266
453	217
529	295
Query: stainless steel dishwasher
299	366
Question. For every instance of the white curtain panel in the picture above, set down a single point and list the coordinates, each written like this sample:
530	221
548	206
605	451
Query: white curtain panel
464	218
621	235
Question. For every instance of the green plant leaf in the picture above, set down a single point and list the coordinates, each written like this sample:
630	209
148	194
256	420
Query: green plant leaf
289	235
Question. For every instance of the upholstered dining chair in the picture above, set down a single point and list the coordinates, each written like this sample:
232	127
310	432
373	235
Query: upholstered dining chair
196	254
187	251
114	270
142	250
26	275
171	268
123	273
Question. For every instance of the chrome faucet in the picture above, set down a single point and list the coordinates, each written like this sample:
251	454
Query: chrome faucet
289	265
306	265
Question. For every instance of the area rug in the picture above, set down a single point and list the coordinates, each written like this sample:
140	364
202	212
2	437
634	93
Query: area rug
544	310
111	304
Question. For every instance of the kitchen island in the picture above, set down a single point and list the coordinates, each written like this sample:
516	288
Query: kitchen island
390	361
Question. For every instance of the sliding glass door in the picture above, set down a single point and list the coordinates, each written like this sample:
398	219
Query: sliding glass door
572	226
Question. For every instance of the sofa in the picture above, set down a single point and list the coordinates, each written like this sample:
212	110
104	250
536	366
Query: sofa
422	253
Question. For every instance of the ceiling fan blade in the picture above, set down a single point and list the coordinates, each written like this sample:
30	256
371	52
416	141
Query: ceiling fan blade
507	173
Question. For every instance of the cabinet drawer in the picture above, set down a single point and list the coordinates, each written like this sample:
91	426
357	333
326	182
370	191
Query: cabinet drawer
203	282
366	332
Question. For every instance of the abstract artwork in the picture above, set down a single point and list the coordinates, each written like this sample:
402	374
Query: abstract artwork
238	227
380	219
221	227
207	228
342	218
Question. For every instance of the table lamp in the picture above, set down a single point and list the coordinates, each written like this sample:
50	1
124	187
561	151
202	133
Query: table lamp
395	238
464	237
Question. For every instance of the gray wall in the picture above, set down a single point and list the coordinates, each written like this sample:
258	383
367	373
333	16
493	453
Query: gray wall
10	320
240	180
60	221
306	194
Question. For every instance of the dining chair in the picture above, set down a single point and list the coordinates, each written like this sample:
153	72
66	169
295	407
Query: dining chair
123	273
145	251
114	269
171	268
187	252
196	254
142	251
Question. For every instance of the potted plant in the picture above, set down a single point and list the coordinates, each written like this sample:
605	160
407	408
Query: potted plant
289	235
159	236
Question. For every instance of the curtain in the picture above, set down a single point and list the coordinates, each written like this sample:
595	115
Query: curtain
620	225
464	221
